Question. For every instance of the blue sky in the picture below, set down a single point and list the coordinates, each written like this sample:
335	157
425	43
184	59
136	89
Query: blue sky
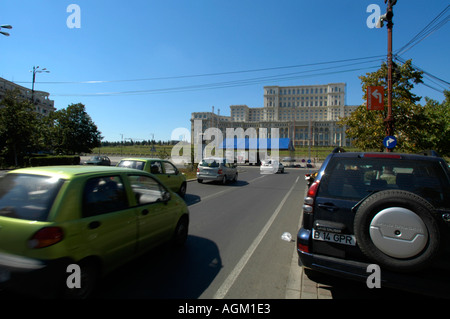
142	67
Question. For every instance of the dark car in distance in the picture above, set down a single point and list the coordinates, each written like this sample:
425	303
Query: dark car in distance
387	209
98	160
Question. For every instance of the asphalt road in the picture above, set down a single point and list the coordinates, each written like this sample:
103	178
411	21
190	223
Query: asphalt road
234	248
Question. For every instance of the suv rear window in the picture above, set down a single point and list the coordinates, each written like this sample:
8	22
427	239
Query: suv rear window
355	178
28	197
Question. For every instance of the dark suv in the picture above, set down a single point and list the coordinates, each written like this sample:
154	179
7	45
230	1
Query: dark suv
388	209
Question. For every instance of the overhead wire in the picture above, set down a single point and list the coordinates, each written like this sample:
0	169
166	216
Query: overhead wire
429	29
445	85
219	85
341	68
435	24
204	74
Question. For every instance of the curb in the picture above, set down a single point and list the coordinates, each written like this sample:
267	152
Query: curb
299	286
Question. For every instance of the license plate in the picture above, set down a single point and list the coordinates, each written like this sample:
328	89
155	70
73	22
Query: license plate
334	237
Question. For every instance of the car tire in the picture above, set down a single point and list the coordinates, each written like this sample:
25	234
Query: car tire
235	178
182	190
181	232
396	230
224	179
200	180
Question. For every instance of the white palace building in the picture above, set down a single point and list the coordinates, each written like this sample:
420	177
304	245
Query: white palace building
308	114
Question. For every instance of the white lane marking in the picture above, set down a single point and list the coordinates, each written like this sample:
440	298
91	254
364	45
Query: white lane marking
229	281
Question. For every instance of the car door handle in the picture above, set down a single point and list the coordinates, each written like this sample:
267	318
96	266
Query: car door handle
329	207
93	225
144	212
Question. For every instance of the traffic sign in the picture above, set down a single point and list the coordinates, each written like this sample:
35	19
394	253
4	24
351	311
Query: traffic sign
375	98
390	142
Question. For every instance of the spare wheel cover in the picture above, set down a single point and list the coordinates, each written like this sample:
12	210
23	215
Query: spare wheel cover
398	232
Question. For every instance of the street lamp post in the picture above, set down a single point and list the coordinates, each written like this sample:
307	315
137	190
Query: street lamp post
5	26
36	70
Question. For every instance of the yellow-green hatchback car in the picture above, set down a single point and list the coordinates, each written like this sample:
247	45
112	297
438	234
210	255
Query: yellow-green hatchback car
90	218
165	170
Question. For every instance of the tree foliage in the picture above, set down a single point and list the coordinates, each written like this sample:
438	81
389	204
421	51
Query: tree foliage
19	129
434	131
72	130
416	127
23	131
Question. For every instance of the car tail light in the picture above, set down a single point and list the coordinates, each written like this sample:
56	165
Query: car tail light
308	204
220	171
303	248
46	237
312	191
198	169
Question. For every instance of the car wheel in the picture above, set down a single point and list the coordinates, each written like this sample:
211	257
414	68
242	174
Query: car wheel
235	178
224	179
182	190
396	230
181	232
89	274
200	180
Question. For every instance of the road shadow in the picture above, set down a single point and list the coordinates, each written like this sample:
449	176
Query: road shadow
166	273
238	183
191	199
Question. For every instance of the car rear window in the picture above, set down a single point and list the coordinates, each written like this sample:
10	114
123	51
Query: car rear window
357	177
208	162
132	164
28	197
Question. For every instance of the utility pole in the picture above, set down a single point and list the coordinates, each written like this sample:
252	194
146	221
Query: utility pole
389	121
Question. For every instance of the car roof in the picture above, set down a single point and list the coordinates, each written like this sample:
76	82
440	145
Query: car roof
143	159
220	159
386	155
67	172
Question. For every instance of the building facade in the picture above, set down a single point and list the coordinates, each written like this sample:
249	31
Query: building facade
42	103
308	115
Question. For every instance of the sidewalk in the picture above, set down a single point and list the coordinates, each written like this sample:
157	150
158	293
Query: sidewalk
299	286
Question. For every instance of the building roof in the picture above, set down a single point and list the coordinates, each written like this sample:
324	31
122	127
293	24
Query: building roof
256	143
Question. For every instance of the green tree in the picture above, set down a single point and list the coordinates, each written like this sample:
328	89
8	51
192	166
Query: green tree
367	128
19	128
434	133
72	130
